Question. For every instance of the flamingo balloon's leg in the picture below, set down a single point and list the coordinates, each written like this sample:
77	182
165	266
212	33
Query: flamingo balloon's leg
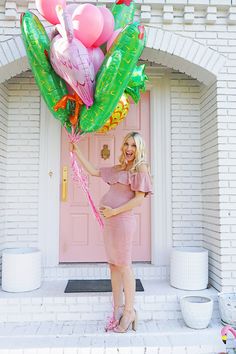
78	104
61	103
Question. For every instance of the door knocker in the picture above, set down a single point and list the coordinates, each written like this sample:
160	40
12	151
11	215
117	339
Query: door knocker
105	152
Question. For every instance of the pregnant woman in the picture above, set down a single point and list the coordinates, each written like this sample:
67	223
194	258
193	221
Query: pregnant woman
129	183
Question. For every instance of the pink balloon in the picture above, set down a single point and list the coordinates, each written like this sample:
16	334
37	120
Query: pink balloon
47	8
87	23
96	56
71	8
113	38
108	26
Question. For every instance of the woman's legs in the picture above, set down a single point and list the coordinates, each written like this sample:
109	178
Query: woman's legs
117	288
122	278
129	314
117	292
129	286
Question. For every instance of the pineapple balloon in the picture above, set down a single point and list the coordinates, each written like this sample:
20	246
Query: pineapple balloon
118	115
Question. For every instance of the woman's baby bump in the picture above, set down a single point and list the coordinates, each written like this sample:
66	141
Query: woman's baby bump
117	195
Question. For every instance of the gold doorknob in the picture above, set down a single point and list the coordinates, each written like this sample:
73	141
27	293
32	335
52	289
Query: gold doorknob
64	184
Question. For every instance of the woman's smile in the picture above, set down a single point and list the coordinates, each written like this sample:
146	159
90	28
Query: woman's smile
129	155
129	149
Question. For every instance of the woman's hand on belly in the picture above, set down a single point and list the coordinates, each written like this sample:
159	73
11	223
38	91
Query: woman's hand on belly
106	211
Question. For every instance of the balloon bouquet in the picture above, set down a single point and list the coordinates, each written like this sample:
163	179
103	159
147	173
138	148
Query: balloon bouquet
85	89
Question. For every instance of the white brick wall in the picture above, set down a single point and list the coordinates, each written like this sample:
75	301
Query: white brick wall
186	161
210	181
23	161
227	175
3	161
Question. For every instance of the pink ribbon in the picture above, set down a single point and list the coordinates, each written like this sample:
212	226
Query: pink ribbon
80	176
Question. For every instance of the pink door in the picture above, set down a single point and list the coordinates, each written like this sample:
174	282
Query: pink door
80	235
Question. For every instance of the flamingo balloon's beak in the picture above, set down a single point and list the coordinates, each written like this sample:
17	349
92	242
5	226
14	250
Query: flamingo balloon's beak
224	339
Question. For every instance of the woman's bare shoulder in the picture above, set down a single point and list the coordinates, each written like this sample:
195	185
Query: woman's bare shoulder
143	167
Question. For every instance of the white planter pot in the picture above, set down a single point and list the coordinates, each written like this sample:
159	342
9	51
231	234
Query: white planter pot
196	311
189	268
21	269
227	307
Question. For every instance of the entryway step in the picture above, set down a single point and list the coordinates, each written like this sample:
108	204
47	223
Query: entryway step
74	337
101	271
159	301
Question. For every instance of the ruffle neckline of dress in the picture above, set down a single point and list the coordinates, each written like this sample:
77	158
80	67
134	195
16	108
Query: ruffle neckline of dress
124	176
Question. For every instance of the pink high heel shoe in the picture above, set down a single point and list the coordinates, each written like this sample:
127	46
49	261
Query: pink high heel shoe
132	320
113	320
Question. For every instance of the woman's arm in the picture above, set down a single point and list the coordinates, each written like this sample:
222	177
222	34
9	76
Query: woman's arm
86	164
107	212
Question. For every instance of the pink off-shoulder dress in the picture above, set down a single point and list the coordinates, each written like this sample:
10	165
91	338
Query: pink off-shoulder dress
119	229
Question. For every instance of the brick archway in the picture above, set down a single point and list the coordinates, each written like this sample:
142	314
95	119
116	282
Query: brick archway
183	54
13	59
162	47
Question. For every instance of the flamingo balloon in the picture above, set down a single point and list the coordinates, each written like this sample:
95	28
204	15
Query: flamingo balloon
225	331
70	59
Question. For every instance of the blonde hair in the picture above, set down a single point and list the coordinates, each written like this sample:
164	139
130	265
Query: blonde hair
140	153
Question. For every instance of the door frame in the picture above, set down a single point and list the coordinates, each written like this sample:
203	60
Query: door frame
160	147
